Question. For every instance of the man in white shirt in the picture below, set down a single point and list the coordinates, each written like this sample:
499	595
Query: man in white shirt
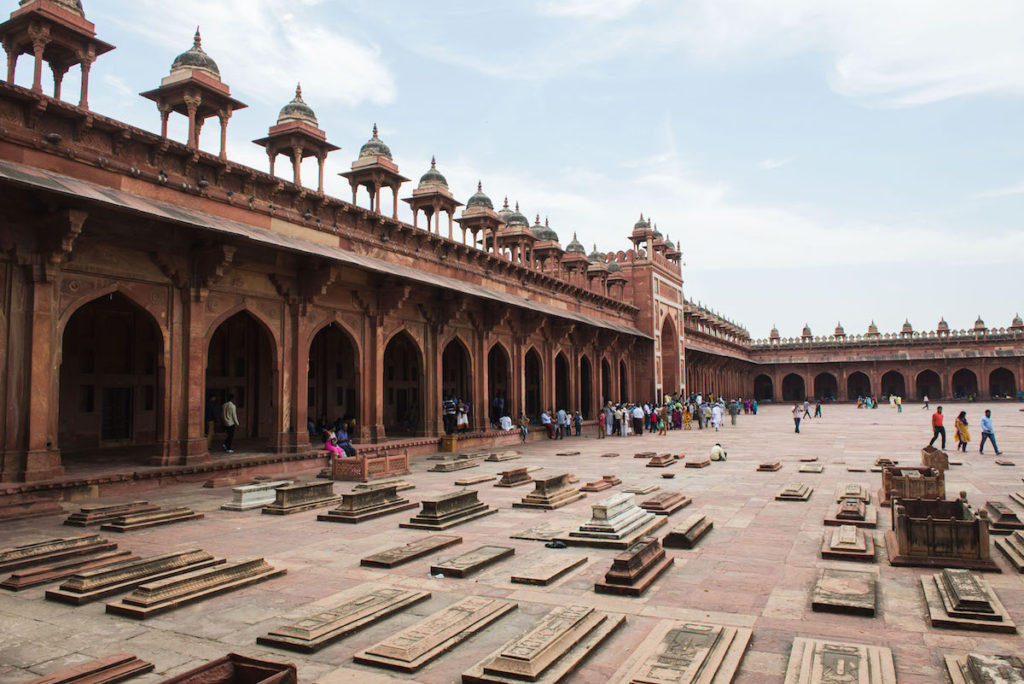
638	421
229	414
506	423
545	420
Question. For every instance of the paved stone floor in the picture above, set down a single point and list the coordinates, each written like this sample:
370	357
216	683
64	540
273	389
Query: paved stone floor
755	568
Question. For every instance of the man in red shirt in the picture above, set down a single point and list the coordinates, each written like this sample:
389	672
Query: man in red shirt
937	428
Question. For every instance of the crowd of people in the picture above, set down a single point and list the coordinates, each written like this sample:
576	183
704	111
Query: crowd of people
963	432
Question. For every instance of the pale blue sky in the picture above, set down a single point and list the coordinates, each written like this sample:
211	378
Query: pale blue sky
818	160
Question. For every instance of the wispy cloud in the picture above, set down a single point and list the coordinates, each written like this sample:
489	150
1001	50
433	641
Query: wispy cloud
774	163
1016	189
595	9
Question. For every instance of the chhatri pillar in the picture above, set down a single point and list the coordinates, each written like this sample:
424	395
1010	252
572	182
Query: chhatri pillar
479	217
432	196
297	135
375	170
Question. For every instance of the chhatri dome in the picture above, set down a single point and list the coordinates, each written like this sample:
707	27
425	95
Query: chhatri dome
872	329
375	147
839	332
517	219
979	324
1018	322
196	58
575	247
943	325
907	328
70	5
641	224
613	267
547	233
433	177
506	213
596	256
297	110
479	199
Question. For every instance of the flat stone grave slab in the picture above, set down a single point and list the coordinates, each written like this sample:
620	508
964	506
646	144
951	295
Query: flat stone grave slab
471	562
847	542
700	462
460	462
769	467
811	469
302	496
568	453
1012	548
514	478
475	479
1018	497
550	493
449	510
248	497
642	489
400	555
45	574
50	550
661	461
808	459
644	454
851	512
962	600
668	476
140	521
551	651
795	491
115	667
610	455
817	661
92	585
153	598
679	652
976	668
686	534
542	532
366	505
1004	462
857	469
548	567
844	591
634	570
853	490
606	482
97	515
399	484
503	456
616	523
410	649
1002	520
330	624
665	503
238	669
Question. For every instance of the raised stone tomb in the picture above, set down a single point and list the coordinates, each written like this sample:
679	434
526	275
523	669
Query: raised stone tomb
853	490
366	505
665	503
111	668
92	585
302	496
550	493
847	542
686	534
155	597
661	461
606	482
50	550
400	485
911	483
811	468
679	652
795	491
616	523
449	510
817	661
514	478
851	512
460	462
634	570
939	534
45	574
238	669
502	456
977	668
413	647
844	591
548	569
642	489
550	651
1012	548
1002	520
644	454
141	521
97	515
326	626
473	479
400	555
960	599
471	562
258	495
769	467
698	462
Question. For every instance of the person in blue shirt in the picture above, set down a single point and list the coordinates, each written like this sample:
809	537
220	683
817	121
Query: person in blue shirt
988	433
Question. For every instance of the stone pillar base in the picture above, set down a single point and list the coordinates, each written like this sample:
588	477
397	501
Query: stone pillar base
30	466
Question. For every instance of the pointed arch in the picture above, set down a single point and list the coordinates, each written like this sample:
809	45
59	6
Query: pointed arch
403	385
965	384
586	388
333	373
562	396
533	382
499	383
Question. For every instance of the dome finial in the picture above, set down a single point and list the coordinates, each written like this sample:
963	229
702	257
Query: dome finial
506	202
517	205
298	90
479	186
537	220
433	162
197	40
374	130
574	235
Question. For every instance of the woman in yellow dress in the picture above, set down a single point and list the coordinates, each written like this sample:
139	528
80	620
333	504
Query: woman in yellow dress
963	435
687	418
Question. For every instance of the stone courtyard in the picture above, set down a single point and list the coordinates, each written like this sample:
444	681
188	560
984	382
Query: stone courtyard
755	569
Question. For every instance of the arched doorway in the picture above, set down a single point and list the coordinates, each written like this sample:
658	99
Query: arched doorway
623	382
586	388
498	379
825	386
241	363
965	384
111	382
764	389
893	384
606	382
928	385
561	383
456	374
669	358
403	382
532	382
1002	384
793	388
332	377
858	384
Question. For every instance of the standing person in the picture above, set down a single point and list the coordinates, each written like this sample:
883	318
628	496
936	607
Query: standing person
577	421
601	419
609	420
937	428
734	410
687	418
899	404
807	409
638	421
716	416
563	423
229	414
796	417
988	433
963	435
545	420
817	409
925	407
753	407
448	413
211	419
524	426
663	421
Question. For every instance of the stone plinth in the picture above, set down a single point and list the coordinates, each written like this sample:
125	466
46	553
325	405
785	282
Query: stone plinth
961	600
795	491
617	522
1013	549
686	534
883	462
400	555
549	652
549	569
853	490
644	454
769	467
92	585
699	462
45	574
471	561
976	668
52	550
449	510
844	591
808	459
258	495
410	649
606	482
665	503
686	653
472	480
642	489
400	485
550	493
460	462
302	496
160	596
238	669
851	512
366	505
106	670
848	543
811	468
514	478
939	534
911	483
97	515
1002	520
934	458
326	626
141	521
816	661
503	456
661	461
634	570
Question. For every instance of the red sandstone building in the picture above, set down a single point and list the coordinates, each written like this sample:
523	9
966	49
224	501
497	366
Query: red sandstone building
140	276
